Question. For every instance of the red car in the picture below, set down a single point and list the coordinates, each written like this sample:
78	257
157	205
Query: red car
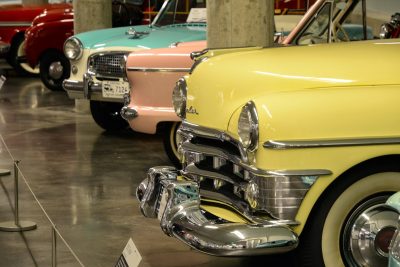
14	20
44	40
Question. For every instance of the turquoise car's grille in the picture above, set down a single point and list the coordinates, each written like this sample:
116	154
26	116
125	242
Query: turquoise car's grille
107	65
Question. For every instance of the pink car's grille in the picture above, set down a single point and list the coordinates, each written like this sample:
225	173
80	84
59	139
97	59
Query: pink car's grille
108	65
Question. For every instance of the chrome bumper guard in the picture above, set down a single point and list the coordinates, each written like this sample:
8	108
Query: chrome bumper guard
78	89
128	113
177	205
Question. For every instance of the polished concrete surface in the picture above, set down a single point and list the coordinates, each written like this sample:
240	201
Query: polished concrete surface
85	179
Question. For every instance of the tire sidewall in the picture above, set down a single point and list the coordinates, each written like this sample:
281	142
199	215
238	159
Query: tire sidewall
101	113
170	143
342	207
12	57
46	60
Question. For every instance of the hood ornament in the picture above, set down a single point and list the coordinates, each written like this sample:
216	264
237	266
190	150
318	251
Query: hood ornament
135	34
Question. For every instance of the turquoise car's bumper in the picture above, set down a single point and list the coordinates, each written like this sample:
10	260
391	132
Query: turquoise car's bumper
393	262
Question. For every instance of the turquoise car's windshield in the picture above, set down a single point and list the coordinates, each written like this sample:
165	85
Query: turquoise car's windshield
181	11
345	20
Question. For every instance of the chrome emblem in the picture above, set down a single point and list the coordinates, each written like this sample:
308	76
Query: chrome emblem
192	110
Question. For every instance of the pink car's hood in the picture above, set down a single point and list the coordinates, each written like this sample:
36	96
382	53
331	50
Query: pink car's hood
177	56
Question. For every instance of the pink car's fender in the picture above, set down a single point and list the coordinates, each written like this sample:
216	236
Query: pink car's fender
152	75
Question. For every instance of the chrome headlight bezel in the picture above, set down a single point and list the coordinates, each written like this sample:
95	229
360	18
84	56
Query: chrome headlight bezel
248	127
394	248
179	97
73	48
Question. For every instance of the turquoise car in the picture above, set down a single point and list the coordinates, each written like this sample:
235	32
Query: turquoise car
98	57
394	248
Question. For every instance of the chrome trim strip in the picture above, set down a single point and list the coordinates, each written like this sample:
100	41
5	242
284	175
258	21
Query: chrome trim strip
140	69
192	169
182	217
15	24
280	145
212	151
188	128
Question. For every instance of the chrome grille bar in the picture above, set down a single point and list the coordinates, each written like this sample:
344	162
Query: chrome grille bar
280	192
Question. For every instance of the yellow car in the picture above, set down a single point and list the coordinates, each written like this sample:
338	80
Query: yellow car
278	156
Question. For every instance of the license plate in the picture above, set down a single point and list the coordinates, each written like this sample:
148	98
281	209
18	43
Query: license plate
114	89
163	204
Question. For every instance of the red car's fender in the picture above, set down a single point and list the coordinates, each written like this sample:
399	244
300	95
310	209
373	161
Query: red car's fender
17	18
49	31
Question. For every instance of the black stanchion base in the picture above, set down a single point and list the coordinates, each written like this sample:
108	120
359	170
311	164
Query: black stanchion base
12	227
4	172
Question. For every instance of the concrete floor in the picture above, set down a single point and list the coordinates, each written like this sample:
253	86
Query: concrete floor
85	179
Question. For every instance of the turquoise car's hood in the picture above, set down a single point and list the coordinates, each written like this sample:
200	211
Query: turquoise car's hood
158	36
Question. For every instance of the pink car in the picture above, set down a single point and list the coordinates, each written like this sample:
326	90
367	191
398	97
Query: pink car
152	75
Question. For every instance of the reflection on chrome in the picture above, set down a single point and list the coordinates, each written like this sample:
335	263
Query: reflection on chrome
177	205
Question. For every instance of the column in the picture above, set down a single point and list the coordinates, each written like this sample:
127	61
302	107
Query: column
238	23
90	15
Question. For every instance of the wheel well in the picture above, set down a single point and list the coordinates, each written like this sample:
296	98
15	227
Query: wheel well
162	125
355	173
48	51
16	36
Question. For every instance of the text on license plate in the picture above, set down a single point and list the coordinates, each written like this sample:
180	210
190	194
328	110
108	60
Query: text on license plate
114	89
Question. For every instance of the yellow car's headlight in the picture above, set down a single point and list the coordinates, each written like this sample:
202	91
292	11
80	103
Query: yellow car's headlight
73	48
179	98
248	126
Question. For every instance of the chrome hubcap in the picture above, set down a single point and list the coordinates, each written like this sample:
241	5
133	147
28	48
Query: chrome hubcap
56	70
368	232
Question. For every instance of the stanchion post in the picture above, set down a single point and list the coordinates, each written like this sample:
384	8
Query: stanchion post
53	247
16	194
16	225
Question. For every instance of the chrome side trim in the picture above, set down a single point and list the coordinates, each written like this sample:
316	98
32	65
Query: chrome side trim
177	205
280	145
15	24
139	69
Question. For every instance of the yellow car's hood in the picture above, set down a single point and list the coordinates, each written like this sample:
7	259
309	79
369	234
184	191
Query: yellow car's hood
222	84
